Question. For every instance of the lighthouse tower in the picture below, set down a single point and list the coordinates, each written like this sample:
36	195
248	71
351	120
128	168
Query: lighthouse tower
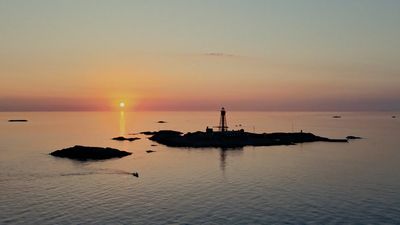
222	121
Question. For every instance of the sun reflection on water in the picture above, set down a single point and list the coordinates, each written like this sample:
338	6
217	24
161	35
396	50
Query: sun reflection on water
122	124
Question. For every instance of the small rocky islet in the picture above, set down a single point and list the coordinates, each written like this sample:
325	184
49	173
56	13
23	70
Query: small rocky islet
353	137
121	138
84	153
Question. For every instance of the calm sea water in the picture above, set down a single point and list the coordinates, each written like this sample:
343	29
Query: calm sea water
314	183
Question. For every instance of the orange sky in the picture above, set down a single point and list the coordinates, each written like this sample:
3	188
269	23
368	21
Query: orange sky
91	55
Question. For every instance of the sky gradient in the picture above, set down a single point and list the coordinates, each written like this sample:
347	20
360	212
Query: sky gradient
200	55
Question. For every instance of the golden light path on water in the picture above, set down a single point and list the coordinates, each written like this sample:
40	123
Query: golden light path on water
122	123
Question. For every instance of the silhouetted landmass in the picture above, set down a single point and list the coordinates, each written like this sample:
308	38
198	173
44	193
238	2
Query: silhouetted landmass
161	121
89	153
150	151
233	139
353	137
17	121
337	117
120	138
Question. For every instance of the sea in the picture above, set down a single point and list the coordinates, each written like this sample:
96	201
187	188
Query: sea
313	183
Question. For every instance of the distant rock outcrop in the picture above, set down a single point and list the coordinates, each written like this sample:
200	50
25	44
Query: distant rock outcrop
89	153
120	138
150	151
11	121
353	137
233	139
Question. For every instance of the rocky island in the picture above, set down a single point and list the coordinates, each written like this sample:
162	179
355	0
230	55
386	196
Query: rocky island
224	138
89	153
233	139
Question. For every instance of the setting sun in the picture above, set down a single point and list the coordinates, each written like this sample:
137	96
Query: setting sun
122	104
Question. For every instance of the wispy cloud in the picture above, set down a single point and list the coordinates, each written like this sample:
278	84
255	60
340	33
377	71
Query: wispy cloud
220	54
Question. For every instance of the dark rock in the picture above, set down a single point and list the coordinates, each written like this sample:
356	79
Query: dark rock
353	137
148	132
150	151
162	132
337	117
89	153
17	121
125	139
153	145
161	121
135	174
233	139
393	117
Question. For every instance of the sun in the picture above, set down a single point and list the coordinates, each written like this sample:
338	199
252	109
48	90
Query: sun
122	104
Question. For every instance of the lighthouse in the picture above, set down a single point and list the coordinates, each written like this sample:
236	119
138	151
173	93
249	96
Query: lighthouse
223	127
222	121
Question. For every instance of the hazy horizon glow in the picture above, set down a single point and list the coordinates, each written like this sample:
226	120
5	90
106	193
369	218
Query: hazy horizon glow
200	55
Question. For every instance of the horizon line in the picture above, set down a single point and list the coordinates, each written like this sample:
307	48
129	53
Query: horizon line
198	110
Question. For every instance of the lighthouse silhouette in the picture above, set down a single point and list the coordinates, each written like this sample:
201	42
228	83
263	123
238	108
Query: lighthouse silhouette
222	121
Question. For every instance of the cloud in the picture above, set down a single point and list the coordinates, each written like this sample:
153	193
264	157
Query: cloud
220	54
